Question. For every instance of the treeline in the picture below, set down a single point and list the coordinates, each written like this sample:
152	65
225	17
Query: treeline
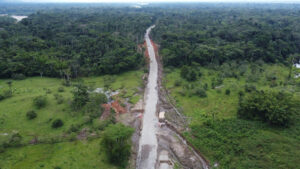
72	42
68	41
215	35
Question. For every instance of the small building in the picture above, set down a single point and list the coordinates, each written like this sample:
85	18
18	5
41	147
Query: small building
161	116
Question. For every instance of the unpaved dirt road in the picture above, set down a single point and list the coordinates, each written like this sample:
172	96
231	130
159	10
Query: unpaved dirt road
147	153
154	139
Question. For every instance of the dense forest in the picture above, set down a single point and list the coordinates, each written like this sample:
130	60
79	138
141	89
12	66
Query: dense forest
216	35
74	42
228	70
93	41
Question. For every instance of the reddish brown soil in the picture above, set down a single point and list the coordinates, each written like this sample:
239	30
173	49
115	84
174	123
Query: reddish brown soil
118	108
106	111
146	52
155	46
155	49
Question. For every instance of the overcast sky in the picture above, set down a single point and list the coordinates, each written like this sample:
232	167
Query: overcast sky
154	0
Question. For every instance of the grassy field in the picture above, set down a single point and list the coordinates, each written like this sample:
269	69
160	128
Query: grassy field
220	135
67	155
13	119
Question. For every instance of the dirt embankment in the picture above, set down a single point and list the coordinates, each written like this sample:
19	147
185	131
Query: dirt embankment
170	137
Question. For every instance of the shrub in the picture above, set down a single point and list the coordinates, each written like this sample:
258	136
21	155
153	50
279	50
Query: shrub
31	115
273	84
87	119
184	71
253	77
213	84
177	83
271	77
40	101
250	88
100	124
80	96
98	98
1	97
205	87
116	143
108	80
18	76
2	149
188	73
200	92
66	82
192	75
61	89
216	82
219	81
57	123
73	128
241	93
73	136
146	70
182	92
227	91
59	98
93	106
243	69
15	139
5	94
112	116
275	108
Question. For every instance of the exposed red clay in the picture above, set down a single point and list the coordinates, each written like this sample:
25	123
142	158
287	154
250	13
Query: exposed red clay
106	111
146	50
118	108
155	49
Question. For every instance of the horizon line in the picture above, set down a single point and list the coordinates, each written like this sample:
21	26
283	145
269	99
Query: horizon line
155	2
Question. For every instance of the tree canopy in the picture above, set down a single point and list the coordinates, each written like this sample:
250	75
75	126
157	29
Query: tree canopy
72	42
116	143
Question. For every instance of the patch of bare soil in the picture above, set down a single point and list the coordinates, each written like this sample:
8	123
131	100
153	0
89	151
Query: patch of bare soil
169	137
106	111
82	134
132	119
178	150
118	108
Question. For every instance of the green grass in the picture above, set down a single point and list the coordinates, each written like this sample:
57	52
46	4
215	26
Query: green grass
128	80
227	140
68	155
127	84
13	110
135	99
217	101
13	115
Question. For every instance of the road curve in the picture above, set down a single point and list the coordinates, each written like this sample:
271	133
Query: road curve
147	153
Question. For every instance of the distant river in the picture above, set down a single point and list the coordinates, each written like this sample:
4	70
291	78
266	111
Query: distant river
17	17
